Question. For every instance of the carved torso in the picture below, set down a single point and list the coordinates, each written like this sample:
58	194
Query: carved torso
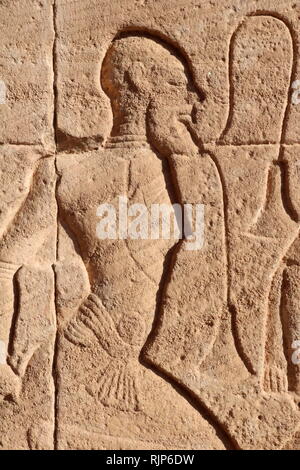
124	274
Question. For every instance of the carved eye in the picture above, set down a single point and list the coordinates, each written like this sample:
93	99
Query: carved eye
173	83
178	83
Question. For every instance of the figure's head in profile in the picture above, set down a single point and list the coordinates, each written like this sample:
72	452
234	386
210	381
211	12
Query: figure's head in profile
150	87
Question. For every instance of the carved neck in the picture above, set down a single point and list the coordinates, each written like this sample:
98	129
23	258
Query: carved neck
129	119
129	128
127	141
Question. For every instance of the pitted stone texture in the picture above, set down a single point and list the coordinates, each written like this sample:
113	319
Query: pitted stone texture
28	324
26	72
203	31
146	343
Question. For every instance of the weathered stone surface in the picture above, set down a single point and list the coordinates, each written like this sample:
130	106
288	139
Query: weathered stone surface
134	339
28	324
26	72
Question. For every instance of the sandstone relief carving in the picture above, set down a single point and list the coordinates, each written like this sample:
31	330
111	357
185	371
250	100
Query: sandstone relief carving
127	277
136	340
258	231
27	310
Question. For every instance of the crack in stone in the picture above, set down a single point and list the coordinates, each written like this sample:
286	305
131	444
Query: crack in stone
55	352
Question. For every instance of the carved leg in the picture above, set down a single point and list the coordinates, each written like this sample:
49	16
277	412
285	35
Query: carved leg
275	368
8	380
290	312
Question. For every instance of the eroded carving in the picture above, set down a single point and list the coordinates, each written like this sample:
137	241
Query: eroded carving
27	326
222	321
259	231
259	47
153	99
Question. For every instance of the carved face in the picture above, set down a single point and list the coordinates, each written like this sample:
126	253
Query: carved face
172	115
141	76
173	89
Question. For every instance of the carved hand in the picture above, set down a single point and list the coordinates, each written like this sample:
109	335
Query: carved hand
93	320
171	130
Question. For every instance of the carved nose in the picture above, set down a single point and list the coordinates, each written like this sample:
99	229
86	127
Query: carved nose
194	113
195	95
195	100
195	126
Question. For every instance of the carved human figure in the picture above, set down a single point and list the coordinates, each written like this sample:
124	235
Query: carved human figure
153	100
27	317
253	176
263	202
193	342
259	230
284	318
111	292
